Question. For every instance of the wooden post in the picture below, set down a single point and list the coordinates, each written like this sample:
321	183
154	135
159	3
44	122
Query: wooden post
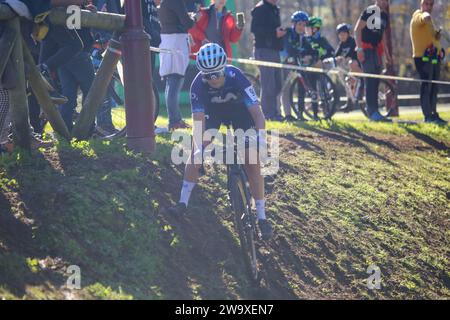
17	96
42	96
98	90
98	20
7	41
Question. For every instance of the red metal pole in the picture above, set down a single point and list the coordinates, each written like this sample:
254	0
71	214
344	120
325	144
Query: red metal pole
139	106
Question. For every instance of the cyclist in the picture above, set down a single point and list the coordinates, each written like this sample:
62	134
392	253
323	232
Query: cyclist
317	41
297	49
324	51
346	53
221	94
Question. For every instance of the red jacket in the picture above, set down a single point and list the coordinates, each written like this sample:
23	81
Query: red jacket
230	32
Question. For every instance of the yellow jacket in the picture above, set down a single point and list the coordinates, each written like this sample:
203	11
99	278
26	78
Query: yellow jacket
423	34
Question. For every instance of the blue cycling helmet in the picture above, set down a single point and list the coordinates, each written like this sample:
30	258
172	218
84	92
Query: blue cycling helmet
343	27
300	16
211	58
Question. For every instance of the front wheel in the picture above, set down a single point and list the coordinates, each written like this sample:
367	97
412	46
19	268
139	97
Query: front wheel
320	101
245	226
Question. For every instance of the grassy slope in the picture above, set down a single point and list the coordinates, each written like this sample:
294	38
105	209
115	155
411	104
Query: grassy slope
347	195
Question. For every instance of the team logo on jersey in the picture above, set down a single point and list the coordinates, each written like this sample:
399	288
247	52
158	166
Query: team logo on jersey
232	74
230	96
193	96
346	51
251	93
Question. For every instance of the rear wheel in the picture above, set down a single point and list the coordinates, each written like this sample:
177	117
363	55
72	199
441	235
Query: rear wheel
245	226
118	115
325	94
386	94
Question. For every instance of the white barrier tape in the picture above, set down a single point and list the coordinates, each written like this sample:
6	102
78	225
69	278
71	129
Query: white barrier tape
315	70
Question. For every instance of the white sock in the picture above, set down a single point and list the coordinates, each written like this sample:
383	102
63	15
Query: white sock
186	191
261	209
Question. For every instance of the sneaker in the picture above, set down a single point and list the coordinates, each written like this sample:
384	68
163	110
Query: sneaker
277	118
265	226
180	209
179	125
377	117
106	130
429	119
438	120
301	118
161	130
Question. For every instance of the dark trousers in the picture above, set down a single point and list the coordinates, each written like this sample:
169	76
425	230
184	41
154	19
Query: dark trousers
59	46
428	91
372	64
77	73
271	81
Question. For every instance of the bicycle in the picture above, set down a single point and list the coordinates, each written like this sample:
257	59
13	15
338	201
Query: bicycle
354	87
298	87
245	218
118	112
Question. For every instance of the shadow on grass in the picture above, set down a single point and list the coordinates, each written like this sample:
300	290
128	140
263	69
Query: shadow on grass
351	137
438	145
100	207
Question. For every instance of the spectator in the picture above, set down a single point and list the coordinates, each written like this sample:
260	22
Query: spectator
216	25
76	73
371	46
296	49
36	121
31	10
152	25
105	124
59	46
175	23
428	54
266	27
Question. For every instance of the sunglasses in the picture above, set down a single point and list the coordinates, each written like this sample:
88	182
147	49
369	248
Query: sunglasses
213	75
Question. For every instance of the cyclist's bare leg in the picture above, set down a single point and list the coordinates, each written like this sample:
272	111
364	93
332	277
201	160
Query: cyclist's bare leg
191	171
255	180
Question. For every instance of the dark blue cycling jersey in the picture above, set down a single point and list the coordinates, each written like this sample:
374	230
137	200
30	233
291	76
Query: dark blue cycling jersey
236	90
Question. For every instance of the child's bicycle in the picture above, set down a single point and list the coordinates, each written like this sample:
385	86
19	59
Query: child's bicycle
118	112
319	94
354	89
